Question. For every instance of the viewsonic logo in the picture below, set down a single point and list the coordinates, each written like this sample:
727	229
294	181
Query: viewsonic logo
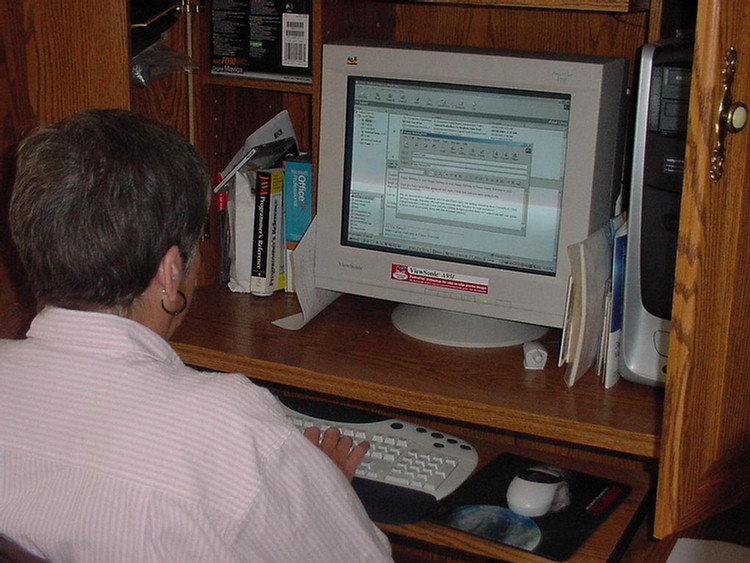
351	60
349	266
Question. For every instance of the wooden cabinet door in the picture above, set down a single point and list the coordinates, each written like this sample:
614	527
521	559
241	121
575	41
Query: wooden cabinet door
56	57
705	462
76	55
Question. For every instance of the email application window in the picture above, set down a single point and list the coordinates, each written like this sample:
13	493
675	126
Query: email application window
468	174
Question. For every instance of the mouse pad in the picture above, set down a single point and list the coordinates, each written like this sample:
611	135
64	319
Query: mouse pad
581	503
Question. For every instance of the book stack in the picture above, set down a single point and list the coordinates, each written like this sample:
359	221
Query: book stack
593	316
250	201
268	212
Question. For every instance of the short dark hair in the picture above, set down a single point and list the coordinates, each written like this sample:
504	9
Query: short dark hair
98	199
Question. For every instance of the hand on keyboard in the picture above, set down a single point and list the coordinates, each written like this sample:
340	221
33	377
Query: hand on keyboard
405	471
339	448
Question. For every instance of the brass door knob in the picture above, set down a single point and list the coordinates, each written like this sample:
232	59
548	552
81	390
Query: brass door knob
731	117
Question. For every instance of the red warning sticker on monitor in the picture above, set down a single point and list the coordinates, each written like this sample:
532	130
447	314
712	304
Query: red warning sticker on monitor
434	278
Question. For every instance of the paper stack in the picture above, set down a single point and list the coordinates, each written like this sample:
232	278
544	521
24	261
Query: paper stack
593	313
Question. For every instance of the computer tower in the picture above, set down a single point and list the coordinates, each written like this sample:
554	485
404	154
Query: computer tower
658	160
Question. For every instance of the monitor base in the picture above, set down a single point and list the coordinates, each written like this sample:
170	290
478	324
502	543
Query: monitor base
462	330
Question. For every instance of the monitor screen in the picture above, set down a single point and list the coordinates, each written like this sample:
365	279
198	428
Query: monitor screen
449	172
458	190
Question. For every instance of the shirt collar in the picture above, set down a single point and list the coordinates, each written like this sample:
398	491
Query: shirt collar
102	333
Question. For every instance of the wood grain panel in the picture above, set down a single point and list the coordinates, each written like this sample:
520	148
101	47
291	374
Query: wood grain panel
66	72
16	120
523	29
357	19
594	455
706	458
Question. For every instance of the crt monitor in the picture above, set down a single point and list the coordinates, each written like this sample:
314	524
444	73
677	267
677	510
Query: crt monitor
452	181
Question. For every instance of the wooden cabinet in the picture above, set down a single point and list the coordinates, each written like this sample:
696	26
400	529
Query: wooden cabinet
708	372
57	57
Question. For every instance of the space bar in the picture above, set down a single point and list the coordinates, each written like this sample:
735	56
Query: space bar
397	480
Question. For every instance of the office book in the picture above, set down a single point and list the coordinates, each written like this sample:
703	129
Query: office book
580	504
298	194
298	191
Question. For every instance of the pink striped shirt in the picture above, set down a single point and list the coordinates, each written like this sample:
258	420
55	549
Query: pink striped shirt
112	450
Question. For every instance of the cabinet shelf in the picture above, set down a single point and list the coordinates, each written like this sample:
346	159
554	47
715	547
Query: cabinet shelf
620	6
256	84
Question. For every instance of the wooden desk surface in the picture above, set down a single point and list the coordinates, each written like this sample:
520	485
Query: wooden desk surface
352	351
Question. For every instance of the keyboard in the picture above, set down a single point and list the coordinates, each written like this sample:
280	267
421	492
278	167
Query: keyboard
408	468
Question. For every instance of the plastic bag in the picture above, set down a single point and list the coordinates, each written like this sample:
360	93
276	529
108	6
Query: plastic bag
158	61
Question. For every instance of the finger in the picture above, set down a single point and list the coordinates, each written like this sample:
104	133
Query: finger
343	446
349	463
313	434
330	439
358	453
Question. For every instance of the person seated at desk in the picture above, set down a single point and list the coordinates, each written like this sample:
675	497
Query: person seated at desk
111	449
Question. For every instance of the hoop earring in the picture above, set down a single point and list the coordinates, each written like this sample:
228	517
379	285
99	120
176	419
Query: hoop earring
178	311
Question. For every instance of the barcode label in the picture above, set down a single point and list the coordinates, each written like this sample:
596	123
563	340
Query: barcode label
296	33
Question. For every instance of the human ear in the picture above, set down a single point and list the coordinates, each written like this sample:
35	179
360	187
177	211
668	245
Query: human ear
170	272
